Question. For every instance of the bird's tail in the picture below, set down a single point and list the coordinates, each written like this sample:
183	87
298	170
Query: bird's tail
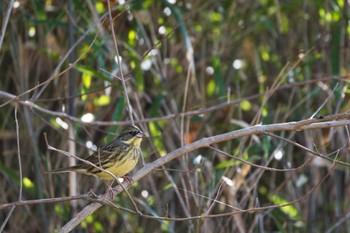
61	170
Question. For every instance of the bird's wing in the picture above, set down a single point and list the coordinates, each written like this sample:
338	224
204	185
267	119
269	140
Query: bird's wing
102	155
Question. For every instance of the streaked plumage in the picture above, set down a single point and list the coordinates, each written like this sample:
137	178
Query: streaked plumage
118	157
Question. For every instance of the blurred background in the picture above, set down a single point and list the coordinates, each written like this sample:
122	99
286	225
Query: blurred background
225	65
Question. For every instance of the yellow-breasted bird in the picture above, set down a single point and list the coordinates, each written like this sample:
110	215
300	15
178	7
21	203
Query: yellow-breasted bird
118	157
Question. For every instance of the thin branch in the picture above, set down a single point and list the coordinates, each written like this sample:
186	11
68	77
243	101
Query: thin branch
338	223
206	142
55	73
214	200
63	115
325	101
184	104
262	166
97	202
20	173
175	187
73	184
32	105
5	22
95	166
19	157
120	64
114	76
86	197
308	150
67	228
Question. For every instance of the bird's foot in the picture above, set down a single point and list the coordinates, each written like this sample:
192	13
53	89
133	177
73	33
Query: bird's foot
128	179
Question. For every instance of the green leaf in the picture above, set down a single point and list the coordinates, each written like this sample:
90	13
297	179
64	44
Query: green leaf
227	163
100	8
218	76
245	105
117	115
27	183
91	72
118	111
156	133
211	88
102	100
86	79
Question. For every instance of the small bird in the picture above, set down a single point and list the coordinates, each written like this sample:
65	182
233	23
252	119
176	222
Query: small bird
118	157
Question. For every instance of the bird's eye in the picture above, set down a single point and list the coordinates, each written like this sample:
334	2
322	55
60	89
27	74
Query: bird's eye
132	133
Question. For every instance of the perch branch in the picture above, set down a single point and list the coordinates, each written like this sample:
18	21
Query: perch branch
325	122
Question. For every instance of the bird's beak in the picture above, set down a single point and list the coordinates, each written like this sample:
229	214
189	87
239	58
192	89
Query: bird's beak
140	134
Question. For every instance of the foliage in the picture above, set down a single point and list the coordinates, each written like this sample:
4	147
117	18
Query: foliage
255	61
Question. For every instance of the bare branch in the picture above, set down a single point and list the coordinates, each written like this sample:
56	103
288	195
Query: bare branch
5	21
70	225
95	166
325	101
262	166
206	142
32	105
20	174
120	64
48	200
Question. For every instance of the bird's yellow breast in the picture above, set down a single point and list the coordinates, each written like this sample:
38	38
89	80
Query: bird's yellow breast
135	142
120	168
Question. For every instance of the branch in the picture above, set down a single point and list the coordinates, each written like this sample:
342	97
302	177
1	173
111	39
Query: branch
87	197
5	21
49	147
55	74
63	115
20	173
325	122
119	63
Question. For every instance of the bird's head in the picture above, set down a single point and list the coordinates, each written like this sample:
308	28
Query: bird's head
132	135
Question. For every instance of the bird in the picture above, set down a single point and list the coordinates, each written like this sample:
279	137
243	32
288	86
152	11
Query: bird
118	157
